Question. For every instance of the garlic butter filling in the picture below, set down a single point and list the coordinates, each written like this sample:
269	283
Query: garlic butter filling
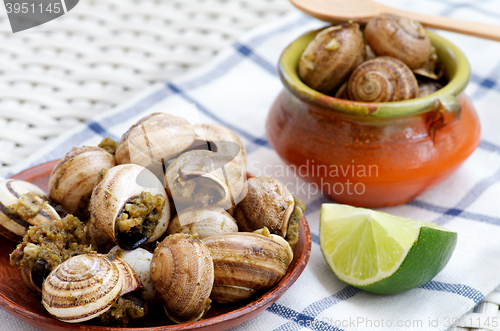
138	219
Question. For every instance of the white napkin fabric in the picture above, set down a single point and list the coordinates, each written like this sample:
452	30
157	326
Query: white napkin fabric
237	90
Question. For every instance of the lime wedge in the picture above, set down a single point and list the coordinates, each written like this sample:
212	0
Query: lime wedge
382	253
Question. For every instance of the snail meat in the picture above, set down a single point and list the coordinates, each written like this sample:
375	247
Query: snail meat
139	217
129	206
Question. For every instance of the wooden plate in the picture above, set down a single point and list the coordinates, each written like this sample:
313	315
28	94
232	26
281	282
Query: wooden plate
16	299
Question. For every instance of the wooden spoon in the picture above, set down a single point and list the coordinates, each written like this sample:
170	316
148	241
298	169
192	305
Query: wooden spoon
336	11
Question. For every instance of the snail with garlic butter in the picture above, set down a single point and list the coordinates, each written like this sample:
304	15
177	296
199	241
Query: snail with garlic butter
182	272
47	245
204	222
23	204
224	140
394	50
203	178
155	138
331	57
245	262
399	37
130	206
382	79
87	286
268	203
74	176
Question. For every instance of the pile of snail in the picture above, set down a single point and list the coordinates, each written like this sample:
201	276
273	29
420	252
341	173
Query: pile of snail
156	218
379	64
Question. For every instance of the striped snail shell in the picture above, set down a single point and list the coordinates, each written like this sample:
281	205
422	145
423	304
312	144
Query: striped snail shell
224	139
268	203
74	176
399	37
245	262
424	89
84	287
154	138
331	56
342	92
23	204
205	222
182	272
382	79
139	259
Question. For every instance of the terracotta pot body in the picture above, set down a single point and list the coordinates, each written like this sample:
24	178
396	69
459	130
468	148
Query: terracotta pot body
368	154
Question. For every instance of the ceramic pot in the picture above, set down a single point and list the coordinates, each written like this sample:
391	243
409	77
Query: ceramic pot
373	154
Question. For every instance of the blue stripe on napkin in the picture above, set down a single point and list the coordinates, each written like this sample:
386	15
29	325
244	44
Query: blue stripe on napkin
463	290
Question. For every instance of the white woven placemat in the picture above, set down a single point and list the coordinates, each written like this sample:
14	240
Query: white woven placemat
99	54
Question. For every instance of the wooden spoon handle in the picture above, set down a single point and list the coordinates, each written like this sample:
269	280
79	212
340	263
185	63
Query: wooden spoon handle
480	30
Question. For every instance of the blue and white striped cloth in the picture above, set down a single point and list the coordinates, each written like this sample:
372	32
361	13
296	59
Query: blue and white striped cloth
237	90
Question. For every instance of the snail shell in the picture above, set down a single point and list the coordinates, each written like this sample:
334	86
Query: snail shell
74	176
23	204
202	177
224	140
155	138
83	287
206	222
139	259
183	274
130	279
342	92
268	203
400	37
431	69
113	195
427	88
331	56
382	79
245	262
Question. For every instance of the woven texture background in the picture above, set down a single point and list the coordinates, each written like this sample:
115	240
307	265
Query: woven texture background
64	72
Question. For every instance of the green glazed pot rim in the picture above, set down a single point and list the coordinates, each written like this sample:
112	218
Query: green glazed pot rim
455	62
